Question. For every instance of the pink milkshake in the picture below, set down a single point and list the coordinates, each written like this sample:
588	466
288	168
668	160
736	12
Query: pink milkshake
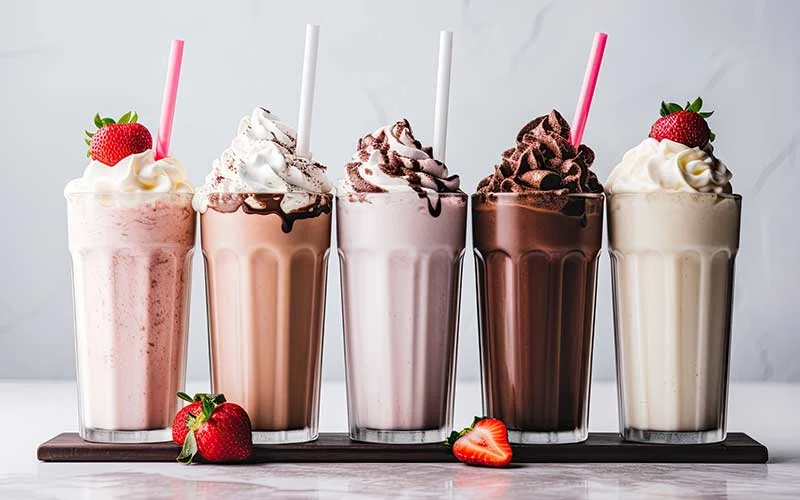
131	238
401	232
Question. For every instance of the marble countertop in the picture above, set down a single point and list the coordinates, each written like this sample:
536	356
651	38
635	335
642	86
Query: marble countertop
35	411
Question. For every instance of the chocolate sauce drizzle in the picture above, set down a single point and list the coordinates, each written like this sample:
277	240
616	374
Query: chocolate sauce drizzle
425	175
270	203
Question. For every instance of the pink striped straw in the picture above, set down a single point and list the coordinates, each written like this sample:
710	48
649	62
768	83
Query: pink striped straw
587	90
170	96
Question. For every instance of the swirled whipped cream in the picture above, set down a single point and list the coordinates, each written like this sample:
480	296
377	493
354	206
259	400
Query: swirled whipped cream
262	159
137	173
669	166
391	159
544	161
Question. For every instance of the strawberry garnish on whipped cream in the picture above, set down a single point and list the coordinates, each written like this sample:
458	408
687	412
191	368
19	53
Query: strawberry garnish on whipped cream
123	161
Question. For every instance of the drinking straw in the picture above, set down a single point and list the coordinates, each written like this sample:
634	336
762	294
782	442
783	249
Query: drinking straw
442	94
170	96
587	90
307	91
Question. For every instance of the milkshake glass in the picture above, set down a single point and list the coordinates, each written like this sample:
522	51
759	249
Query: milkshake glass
537	229
401	288
131	266
672	249
401	253
536	273
672	261
266	260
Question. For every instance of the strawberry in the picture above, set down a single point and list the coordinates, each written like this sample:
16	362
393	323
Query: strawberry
179	427
687	125
115	140
219	432
485	443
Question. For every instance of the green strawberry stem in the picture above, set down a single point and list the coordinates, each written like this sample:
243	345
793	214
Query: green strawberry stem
209	403
189	449
185	397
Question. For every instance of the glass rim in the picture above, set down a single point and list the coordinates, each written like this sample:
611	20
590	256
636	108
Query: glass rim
262	193
447	194
504	194
680	194
125	194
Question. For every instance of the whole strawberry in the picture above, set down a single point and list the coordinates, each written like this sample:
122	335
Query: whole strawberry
116	140
686	126
218	432
179	427
484	443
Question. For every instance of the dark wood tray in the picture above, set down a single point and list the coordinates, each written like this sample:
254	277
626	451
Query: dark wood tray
600	447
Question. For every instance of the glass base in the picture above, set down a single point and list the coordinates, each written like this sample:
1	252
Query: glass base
112	436
674	437
556	437
398	437
285	437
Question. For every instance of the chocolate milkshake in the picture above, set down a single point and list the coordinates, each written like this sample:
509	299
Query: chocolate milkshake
537	230
265	231
401	230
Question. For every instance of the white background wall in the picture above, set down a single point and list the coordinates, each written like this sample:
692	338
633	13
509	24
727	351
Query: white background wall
60	62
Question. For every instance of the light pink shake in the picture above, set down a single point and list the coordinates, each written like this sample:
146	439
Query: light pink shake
131	262
401	256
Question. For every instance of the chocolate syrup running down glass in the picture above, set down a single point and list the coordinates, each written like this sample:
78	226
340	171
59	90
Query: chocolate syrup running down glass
270	203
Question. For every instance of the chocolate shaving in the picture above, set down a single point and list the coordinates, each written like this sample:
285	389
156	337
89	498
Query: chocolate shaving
544	160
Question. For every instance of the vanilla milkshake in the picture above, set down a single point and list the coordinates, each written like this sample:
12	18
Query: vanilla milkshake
265	229
673	235
401	232
131	239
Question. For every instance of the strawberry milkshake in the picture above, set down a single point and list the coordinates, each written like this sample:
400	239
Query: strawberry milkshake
266	229
131	237
673	234
401	231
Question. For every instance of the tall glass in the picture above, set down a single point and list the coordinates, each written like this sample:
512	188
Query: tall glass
131	268
265	283
672	263
401	256
536	268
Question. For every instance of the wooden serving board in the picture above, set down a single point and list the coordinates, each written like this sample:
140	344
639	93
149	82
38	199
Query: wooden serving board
600	447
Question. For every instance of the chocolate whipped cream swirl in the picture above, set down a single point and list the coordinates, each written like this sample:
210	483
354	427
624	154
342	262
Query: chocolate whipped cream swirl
544	161
391	160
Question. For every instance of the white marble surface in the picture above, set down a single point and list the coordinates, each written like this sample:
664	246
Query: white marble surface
35	411
513	60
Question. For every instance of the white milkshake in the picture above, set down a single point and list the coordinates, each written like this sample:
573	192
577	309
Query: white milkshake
673	235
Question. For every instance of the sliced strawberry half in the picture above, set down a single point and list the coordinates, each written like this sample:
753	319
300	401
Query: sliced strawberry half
484	443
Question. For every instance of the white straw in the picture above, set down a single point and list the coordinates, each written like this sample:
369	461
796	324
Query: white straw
442	94
307	91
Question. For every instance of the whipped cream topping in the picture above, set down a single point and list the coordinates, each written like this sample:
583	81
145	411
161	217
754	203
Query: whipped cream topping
391	159
262	159
138	173
669	166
